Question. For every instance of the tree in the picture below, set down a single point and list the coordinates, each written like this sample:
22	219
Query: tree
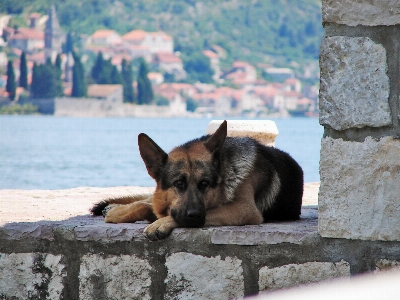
198	68
115	76
144	89
46	81
127	81
103	71
23	72
97	67
79	87
11	85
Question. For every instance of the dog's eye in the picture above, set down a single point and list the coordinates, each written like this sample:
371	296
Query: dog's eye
204	184
180	184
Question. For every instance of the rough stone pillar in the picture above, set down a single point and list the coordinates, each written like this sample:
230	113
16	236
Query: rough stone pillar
359	196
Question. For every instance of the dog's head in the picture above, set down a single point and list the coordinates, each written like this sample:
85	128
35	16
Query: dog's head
187	178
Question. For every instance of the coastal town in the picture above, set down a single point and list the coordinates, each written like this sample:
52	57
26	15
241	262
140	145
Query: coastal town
240	89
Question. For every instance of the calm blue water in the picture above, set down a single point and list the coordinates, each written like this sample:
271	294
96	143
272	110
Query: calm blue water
45	152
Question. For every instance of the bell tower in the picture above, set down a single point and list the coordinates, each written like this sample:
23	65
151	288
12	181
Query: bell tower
53	36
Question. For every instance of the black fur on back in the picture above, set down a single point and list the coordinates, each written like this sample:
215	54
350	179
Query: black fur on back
287	204
97	209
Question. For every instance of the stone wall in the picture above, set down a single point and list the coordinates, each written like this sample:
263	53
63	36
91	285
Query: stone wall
89	107
359	196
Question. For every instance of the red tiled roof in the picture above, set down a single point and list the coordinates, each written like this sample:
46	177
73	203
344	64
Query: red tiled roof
103	33
102	90
27	34
210	54
166	57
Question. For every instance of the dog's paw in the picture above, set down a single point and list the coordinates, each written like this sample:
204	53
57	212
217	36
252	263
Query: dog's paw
160	229
106	209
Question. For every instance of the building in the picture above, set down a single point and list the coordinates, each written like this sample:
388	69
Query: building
105	37
53	36
154	41
170	63
214	62
28	40
107	92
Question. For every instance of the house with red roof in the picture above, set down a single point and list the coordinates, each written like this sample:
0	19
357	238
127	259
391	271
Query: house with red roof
105	37
170	63
29	40
155	41
214	62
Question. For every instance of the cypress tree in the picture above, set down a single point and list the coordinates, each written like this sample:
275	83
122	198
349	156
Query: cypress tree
58	62
23	72
115	76
79	87
144	89
97	67
11	85
127	81
35	80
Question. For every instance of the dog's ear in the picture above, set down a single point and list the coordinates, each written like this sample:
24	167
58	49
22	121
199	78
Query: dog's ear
153	156
215	142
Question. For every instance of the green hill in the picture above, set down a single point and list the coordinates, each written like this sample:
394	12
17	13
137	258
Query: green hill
251	30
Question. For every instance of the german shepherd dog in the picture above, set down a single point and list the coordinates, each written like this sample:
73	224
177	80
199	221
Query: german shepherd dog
210	181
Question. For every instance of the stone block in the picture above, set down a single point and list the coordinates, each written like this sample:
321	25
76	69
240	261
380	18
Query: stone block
31	276
114	277
269	233
361	12
196	277
386	265
360	187
297	274
264	131
355	87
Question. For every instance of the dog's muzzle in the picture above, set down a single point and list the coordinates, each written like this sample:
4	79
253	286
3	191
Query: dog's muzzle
190	217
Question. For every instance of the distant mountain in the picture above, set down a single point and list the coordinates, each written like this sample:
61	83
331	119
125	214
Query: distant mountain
252	30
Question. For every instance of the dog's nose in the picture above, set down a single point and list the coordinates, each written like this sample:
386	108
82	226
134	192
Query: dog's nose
194	214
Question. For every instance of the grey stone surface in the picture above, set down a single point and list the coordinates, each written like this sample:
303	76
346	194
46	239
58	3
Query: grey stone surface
354	89
298	274
361	12
359	192
196	277
268	233
31	276
387	264
114	277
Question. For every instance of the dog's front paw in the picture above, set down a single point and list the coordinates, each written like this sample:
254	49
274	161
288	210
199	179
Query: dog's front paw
160	229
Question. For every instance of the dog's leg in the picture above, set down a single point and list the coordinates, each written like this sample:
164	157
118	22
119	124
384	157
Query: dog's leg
129	213
160	229
242	211
98	208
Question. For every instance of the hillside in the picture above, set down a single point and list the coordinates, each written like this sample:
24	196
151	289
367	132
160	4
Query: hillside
256	31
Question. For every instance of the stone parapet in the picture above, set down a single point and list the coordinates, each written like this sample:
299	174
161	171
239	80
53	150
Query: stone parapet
361	12
359	109
51	247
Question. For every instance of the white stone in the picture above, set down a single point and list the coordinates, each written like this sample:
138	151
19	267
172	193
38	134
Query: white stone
297	274
26	276
114	277
361	12
355	87
387	264
264	131
360	187
197	277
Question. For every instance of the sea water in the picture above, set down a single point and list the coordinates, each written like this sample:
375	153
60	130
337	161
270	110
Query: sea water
47	152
